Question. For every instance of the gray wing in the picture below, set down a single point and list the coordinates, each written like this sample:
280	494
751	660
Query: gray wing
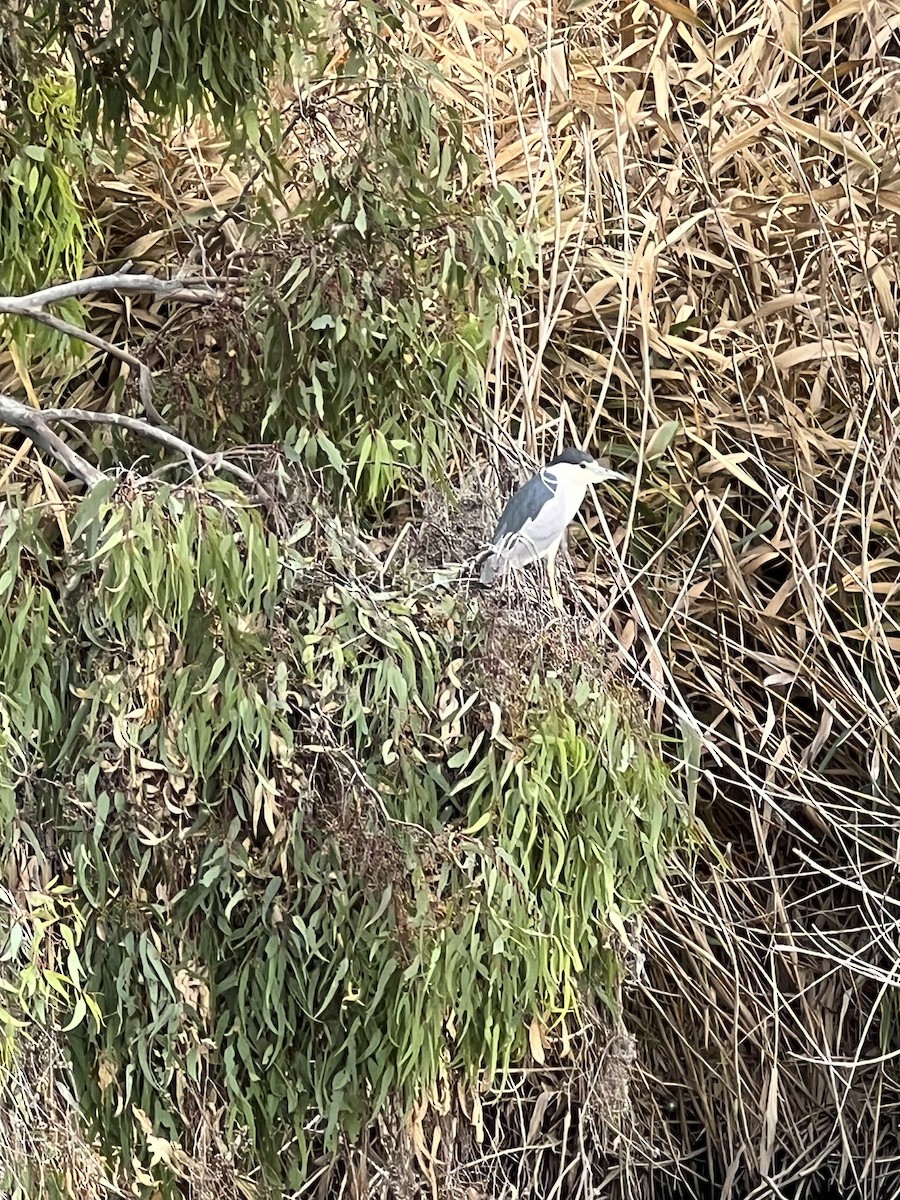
524	505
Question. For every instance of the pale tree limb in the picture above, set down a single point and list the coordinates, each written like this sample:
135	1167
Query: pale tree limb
35	423
31	422
145	387
119	281
33	306
216	462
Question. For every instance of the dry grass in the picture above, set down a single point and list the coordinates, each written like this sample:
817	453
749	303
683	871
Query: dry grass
717	195
40	1139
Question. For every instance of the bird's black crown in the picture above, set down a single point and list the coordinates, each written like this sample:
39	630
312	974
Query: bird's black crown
573	456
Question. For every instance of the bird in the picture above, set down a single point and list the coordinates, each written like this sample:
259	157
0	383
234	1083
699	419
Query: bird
536	516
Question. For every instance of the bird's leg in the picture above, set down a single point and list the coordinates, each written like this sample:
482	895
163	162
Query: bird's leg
555	597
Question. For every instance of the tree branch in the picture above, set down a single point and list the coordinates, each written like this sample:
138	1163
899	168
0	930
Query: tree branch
120	281
145	386
30	421
36	424
135	425
33	306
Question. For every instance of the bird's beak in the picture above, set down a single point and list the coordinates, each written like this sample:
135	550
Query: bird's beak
605	475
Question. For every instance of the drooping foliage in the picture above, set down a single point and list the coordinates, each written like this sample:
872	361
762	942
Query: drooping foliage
172	61
365	320
318	858
365	336
42	223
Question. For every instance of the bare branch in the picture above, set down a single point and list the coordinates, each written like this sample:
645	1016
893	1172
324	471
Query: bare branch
35	423
120	281
135	425
145	387
32	306
31	422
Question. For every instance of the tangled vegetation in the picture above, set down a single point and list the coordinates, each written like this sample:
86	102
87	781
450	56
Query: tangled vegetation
717	193
316	860
297	829
323	869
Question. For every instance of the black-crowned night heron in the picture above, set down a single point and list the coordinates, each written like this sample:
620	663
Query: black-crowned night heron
537	515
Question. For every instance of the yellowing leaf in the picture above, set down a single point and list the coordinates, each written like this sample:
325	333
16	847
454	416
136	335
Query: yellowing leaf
839	143
814	352
661	440
679	12
536	1042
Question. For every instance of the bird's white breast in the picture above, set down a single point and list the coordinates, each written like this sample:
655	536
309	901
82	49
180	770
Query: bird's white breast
545	531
